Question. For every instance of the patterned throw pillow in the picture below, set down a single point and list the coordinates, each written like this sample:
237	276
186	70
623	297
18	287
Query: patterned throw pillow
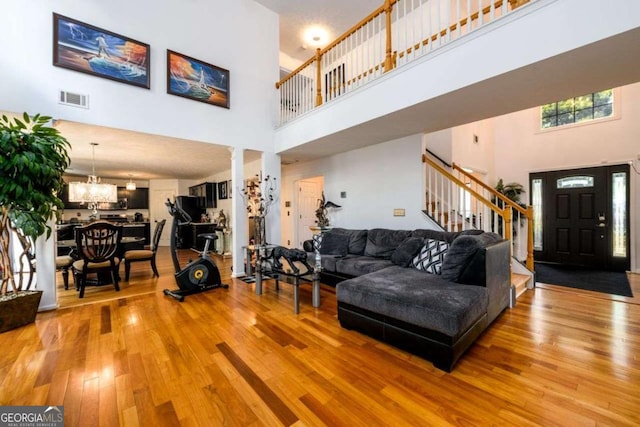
430	257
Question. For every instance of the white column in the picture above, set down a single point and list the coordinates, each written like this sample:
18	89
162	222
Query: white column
238	212
271	166
46	270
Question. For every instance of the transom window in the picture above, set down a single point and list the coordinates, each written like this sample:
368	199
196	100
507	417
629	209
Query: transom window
575	182
583	108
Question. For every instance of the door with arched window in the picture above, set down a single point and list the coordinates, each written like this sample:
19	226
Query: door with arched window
582	216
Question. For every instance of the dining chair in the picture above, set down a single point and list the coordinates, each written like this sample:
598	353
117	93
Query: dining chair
64	263
28	259
97	247
144	254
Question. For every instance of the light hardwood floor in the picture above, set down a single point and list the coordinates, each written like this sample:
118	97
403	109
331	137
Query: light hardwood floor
230	357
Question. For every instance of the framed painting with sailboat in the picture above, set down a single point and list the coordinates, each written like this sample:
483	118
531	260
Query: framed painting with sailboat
82	47
194	79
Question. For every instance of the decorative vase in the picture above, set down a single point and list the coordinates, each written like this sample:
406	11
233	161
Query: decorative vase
18	309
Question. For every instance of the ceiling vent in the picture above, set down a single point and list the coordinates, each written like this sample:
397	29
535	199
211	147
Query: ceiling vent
73	99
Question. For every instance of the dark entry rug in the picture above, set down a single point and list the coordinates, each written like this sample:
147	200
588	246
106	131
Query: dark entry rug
608	282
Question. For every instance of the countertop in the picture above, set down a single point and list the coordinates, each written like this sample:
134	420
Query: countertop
65	225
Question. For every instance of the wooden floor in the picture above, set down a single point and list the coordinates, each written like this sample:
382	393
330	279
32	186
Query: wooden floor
230	357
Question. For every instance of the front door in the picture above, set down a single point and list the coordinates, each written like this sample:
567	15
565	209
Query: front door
584	217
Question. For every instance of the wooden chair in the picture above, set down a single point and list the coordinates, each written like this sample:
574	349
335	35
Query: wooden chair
144	254
64	263
97	246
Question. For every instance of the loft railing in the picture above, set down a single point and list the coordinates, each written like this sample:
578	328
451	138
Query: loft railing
393	35
458	201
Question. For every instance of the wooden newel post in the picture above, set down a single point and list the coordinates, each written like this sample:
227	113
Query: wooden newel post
530	264
318	78
508	230
388	60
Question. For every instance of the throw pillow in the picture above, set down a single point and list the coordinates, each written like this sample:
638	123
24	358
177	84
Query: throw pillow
382	242
334	244
431	256
404	254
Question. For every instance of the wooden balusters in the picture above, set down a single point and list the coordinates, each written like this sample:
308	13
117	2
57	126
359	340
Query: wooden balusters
393	32
389	62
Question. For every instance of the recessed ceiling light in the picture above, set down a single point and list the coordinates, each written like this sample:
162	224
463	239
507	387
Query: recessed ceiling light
315	37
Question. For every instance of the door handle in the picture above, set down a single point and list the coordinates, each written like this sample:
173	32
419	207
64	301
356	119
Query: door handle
602	225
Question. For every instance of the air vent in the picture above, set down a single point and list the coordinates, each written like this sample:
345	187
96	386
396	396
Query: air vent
74	99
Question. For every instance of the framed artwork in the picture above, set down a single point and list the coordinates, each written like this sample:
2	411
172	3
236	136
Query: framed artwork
223	190
194	79
82	47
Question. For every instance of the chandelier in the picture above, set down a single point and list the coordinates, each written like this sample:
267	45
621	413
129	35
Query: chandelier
93	191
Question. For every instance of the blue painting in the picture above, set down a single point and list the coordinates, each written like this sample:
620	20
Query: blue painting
197	80
88	49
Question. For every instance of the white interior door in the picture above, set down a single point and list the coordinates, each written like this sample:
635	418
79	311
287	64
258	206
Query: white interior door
309	192
158	211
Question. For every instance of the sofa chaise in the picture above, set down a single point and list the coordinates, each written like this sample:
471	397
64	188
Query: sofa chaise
432	293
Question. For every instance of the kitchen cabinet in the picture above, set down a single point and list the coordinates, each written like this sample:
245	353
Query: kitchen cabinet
138	198
142	229
64	196
207	194
200	228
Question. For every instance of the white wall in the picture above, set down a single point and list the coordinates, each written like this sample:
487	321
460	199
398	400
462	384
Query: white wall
521	147
241	36
481	71
377	180
440	144
528	149
468	153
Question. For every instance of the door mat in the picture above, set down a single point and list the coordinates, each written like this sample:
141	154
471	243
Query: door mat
608	282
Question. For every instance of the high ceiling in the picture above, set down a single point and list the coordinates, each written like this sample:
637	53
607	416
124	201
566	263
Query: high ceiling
296	16
123	153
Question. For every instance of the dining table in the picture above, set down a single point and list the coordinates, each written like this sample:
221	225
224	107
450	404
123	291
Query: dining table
103	278
126	243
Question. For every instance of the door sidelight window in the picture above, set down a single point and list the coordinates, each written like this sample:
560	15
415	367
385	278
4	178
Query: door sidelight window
619	213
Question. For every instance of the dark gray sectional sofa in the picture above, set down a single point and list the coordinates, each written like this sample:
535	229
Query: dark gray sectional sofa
436	316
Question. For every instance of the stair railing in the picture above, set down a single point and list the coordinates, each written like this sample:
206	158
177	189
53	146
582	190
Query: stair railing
396	33
522	217
456	206
458	201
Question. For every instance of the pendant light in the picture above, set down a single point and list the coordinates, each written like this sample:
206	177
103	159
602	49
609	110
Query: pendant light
131	185
93	191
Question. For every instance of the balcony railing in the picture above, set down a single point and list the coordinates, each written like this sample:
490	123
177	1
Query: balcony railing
395	34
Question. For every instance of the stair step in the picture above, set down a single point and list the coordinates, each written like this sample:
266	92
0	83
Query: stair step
519	281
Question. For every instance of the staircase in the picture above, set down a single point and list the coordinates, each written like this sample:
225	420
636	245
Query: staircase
457	201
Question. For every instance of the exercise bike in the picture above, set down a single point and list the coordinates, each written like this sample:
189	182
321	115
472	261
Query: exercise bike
199	275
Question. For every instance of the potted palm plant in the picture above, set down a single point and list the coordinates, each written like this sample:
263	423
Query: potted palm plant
34	158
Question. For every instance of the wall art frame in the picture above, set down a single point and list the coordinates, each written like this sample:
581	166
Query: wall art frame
83	47
223	192
197	80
